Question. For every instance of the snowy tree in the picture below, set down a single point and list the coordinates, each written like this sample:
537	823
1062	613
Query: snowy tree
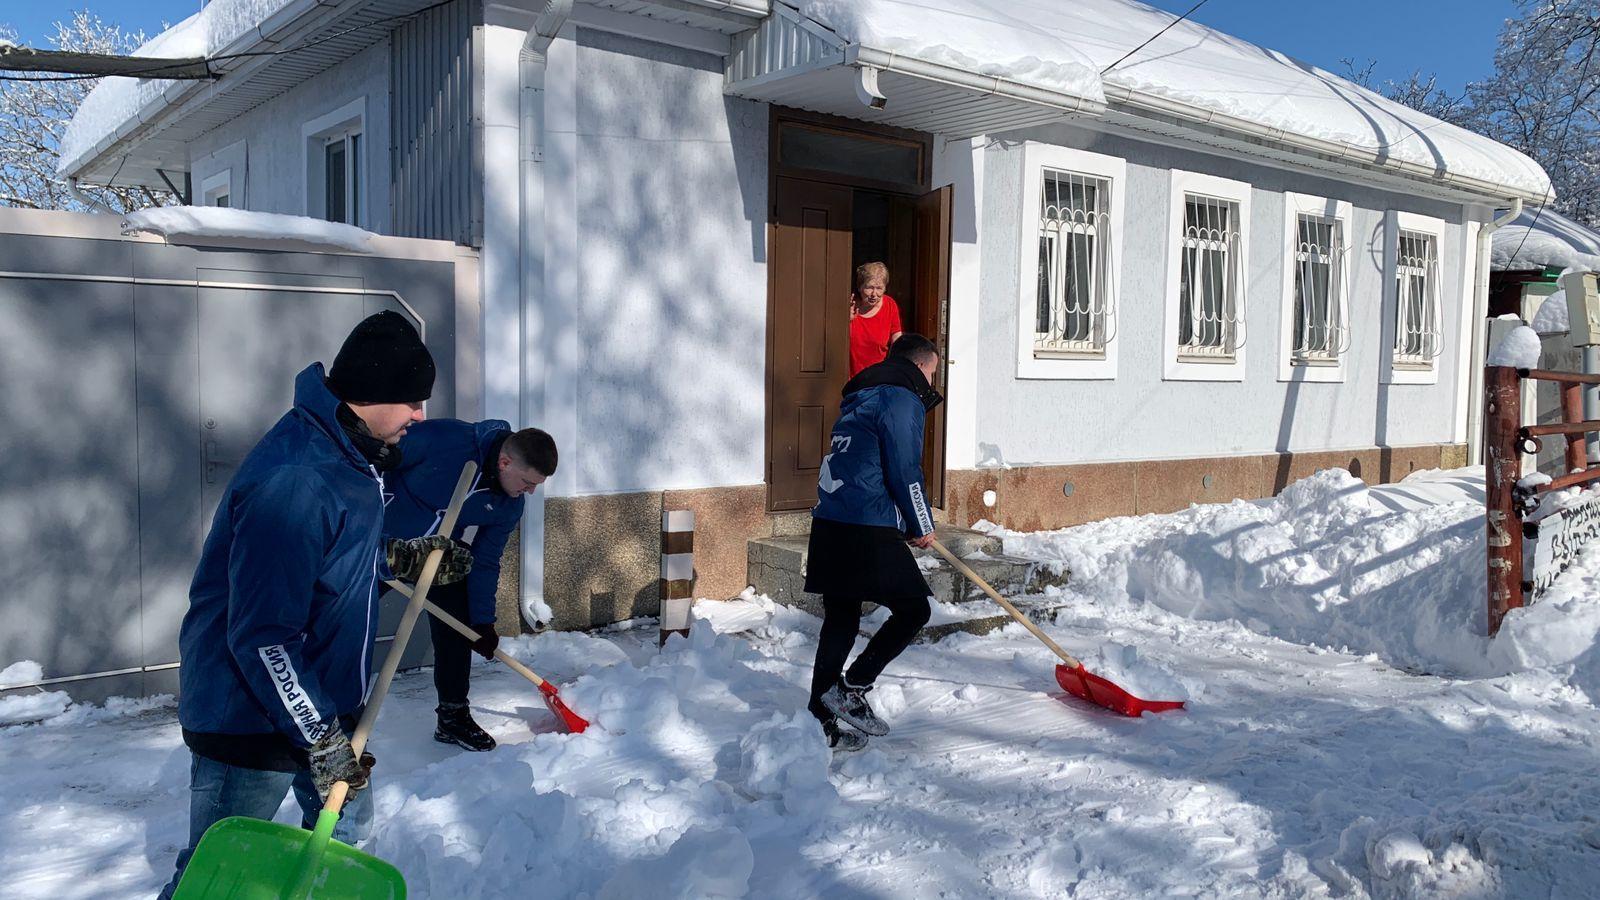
34	112
1543	97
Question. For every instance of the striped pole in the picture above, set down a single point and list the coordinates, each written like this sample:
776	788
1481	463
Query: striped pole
677	571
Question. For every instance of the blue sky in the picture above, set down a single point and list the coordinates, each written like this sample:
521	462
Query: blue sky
1454	38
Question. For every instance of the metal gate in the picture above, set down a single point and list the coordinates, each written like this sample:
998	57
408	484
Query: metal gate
134	376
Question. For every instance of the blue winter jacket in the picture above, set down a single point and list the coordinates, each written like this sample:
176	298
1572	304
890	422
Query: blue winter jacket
873	472
284	606
431	456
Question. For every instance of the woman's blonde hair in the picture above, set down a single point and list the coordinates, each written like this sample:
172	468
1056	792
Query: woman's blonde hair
868	271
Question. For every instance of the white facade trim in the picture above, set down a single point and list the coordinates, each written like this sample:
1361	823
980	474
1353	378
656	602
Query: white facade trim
1468	321
1183	185
1036	159
960	163
1394	222
1293	206
217	186
351	118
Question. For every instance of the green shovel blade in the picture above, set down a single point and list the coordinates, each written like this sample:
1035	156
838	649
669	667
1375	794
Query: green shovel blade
249	859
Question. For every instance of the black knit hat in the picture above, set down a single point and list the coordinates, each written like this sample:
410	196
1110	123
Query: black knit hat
382	361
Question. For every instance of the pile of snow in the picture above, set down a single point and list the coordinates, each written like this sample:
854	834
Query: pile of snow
1552	315
214	223
1519	349
1064	46
1554	241
1142	677
30	706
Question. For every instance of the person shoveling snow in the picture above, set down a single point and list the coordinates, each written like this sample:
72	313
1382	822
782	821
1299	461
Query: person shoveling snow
870	503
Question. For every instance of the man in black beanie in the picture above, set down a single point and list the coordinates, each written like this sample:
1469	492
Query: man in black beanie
277	645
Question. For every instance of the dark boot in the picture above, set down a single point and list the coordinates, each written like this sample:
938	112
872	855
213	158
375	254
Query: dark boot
456	727
850	704
842	740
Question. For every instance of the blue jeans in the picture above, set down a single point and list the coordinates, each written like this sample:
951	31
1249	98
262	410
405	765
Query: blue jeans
218	790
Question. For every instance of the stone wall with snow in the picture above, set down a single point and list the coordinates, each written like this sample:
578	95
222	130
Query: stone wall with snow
1139	415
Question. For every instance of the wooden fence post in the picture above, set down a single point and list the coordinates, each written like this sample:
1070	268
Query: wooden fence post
1502	417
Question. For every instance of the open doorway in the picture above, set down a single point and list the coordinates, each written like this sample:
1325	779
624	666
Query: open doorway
844	194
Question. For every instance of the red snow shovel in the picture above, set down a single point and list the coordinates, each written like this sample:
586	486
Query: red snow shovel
1073	677
547	691
240	858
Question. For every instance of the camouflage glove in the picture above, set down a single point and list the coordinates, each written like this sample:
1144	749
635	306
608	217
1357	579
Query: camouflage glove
406	558
333	760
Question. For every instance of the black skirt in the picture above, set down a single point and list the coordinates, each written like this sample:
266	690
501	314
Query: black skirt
864	562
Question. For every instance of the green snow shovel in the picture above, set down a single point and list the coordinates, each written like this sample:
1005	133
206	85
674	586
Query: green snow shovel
241	858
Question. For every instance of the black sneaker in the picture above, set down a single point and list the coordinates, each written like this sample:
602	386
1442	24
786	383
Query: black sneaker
456	727
850	704
841	740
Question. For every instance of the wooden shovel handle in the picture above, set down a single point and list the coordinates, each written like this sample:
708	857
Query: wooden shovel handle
469	634
994	595
402	634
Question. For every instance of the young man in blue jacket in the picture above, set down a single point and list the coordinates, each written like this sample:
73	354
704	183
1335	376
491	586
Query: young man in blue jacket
278	641
510	466
871	503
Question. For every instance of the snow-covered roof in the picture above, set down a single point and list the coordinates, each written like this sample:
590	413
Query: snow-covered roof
1190	78
217	223
114	101
1232	83
1552	241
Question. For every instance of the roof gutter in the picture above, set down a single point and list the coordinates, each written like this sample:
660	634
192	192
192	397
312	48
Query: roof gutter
1141	103
1480	328
886	61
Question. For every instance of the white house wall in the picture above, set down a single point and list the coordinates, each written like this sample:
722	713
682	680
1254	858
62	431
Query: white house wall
1138	415
671	286
265	148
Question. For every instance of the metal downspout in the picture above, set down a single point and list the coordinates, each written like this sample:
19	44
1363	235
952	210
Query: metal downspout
1480	315
531	65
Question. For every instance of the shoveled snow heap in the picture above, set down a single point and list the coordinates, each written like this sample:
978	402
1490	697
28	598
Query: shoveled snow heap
217	222
1302	770
1066	46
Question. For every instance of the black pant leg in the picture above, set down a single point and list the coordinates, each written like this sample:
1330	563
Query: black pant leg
841	622
907	615
452	653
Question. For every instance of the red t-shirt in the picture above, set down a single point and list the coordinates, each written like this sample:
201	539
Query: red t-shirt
869	335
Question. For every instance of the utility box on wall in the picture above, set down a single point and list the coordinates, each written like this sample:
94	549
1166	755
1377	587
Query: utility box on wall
1583	307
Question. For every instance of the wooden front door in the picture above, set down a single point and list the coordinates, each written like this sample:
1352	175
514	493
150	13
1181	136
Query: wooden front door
808	353
932	316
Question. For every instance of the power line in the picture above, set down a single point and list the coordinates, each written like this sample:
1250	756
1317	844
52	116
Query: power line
155	70
1154	36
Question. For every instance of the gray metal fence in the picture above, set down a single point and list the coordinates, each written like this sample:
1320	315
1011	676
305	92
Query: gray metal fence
134	375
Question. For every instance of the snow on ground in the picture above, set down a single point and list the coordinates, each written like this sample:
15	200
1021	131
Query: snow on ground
1299	769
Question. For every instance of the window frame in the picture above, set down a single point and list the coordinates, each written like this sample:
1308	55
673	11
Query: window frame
1395	222
219	184
347	124
1175	366
1296	205
1036	159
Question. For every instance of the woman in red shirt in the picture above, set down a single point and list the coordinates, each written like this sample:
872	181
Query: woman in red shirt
874	317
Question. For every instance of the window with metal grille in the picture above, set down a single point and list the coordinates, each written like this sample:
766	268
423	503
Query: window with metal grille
1072	313
1418	336
1210	308
1320	334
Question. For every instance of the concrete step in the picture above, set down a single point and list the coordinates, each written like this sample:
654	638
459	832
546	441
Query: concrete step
776	567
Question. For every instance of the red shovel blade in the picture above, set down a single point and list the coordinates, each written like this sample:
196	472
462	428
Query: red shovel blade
574	722
1081	682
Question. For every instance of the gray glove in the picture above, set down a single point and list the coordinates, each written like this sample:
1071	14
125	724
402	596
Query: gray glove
333	760
406	558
